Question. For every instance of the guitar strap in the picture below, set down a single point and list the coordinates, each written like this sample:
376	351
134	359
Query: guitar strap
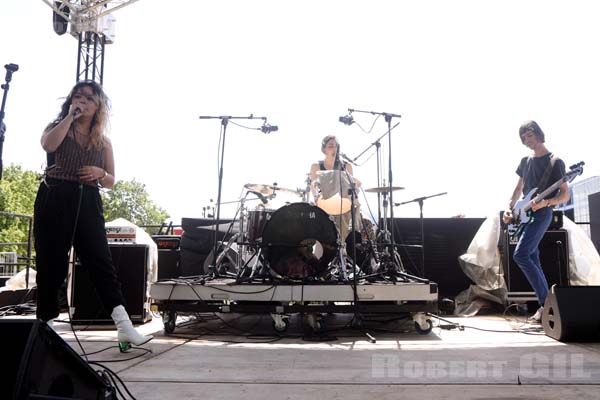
542	183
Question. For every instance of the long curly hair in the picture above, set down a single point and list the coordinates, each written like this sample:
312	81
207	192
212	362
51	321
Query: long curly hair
100	121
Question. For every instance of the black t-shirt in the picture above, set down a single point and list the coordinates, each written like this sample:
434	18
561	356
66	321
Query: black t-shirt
532	170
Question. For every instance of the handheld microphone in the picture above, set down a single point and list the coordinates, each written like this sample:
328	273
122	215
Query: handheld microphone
266	128
77	111
347	119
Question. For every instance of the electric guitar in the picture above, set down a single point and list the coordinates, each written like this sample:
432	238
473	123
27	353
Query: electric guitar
522	214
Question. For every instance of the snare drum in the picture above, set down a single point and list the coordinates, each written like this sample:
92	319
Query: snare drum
333	197
299	241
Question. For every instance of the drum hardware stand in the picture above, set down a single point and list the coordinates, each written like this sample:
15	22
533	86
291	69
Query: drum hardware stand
10	68
307	190
262	274
223	254
238	238
420	201
342	244
213	270
241	240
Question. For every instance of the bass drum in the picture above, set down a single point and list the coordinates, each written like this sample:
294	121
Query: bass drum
299	241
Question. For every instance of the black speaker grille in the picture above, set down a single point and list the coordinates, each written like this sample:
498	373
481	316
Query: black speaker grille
554	257
131	264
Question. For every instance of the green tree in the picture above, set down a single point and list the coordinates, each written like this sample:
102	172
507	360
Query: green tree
130	200
17	195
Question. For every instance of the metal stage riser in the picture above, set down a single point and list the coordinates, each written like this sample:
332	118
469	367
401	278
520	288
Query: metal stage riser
367	307
295	293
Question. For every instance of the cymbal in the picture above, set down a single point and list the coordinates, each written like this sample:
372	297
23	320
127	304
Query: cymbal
383	189
268	190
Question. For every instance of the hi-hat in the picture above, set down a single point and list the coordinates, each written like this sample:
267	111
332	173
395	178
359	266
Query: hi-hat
268	190
383	189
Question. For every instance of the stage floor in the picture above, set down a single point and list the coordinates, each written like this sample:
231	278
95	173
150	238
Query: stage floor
226	356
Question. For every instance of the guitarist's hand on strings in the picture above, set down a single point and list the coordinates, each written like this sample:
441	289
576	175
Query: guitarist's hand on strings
542	204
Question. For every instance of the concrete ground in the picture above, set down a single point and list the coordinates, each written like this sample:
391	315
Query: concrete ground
240	356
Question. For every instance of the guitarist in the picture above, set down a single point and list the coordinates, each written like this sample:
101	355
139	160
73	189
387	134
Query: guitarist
540	170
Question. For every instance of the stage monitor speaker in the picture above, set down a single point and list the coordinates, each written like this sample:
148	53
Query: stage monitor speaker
131	263
554	257
571	314
38	364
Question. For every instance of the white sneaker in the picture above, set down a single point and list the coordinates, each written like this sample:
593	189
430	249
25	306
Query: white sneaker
126	334
537	317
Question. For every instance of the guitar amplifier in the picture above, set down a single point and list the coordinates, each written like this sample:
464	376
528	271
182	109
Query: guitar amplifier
554	258
121	234
168	256
131	263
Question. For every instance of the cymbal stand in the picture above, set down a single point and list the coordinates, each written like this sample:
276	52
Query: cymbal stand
213	271
420	200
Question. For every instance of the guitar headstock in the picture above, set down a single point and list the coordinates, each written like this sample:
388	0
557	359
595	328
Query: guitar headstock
575	169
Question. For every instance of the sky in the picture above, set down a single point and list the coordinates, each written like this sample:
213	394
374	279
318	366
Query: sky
462	74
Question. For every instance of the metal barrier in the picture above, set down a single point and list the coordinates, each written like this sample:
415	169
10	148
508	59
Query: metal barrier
11	262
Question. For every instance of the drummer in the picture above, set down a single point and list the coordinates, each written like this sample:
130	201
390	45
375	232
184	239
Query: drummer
329	147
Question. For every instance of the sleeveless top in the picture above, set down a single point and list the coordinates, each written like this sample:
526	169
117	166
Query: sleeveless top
70	156
336	165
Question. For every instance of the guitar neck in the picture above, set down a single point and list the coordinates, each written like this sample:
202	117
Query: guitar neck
576	170
545	193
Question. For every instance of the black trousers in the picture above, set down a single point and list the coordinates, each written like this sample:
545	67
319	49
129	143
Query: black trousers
66	211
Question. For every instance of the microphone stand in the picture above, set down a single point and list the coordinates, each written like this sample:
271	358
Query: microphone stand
212	269
420	201
10	68
388	119
377	144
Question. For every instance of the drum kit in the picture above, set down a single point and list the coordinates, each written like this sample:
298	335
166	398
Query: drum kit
286	237
297	239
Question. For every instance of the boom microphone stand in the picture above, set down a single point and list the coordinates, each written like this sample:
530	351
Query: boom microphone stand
420	201
213	271
10	68
388	119
377	144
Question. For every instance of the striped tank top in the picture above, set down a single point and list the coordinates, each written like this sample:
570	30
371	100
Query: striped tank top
65	162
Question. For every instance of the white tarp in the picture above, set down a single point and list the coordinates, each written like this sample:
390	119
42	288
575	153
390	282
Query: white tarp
482	264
